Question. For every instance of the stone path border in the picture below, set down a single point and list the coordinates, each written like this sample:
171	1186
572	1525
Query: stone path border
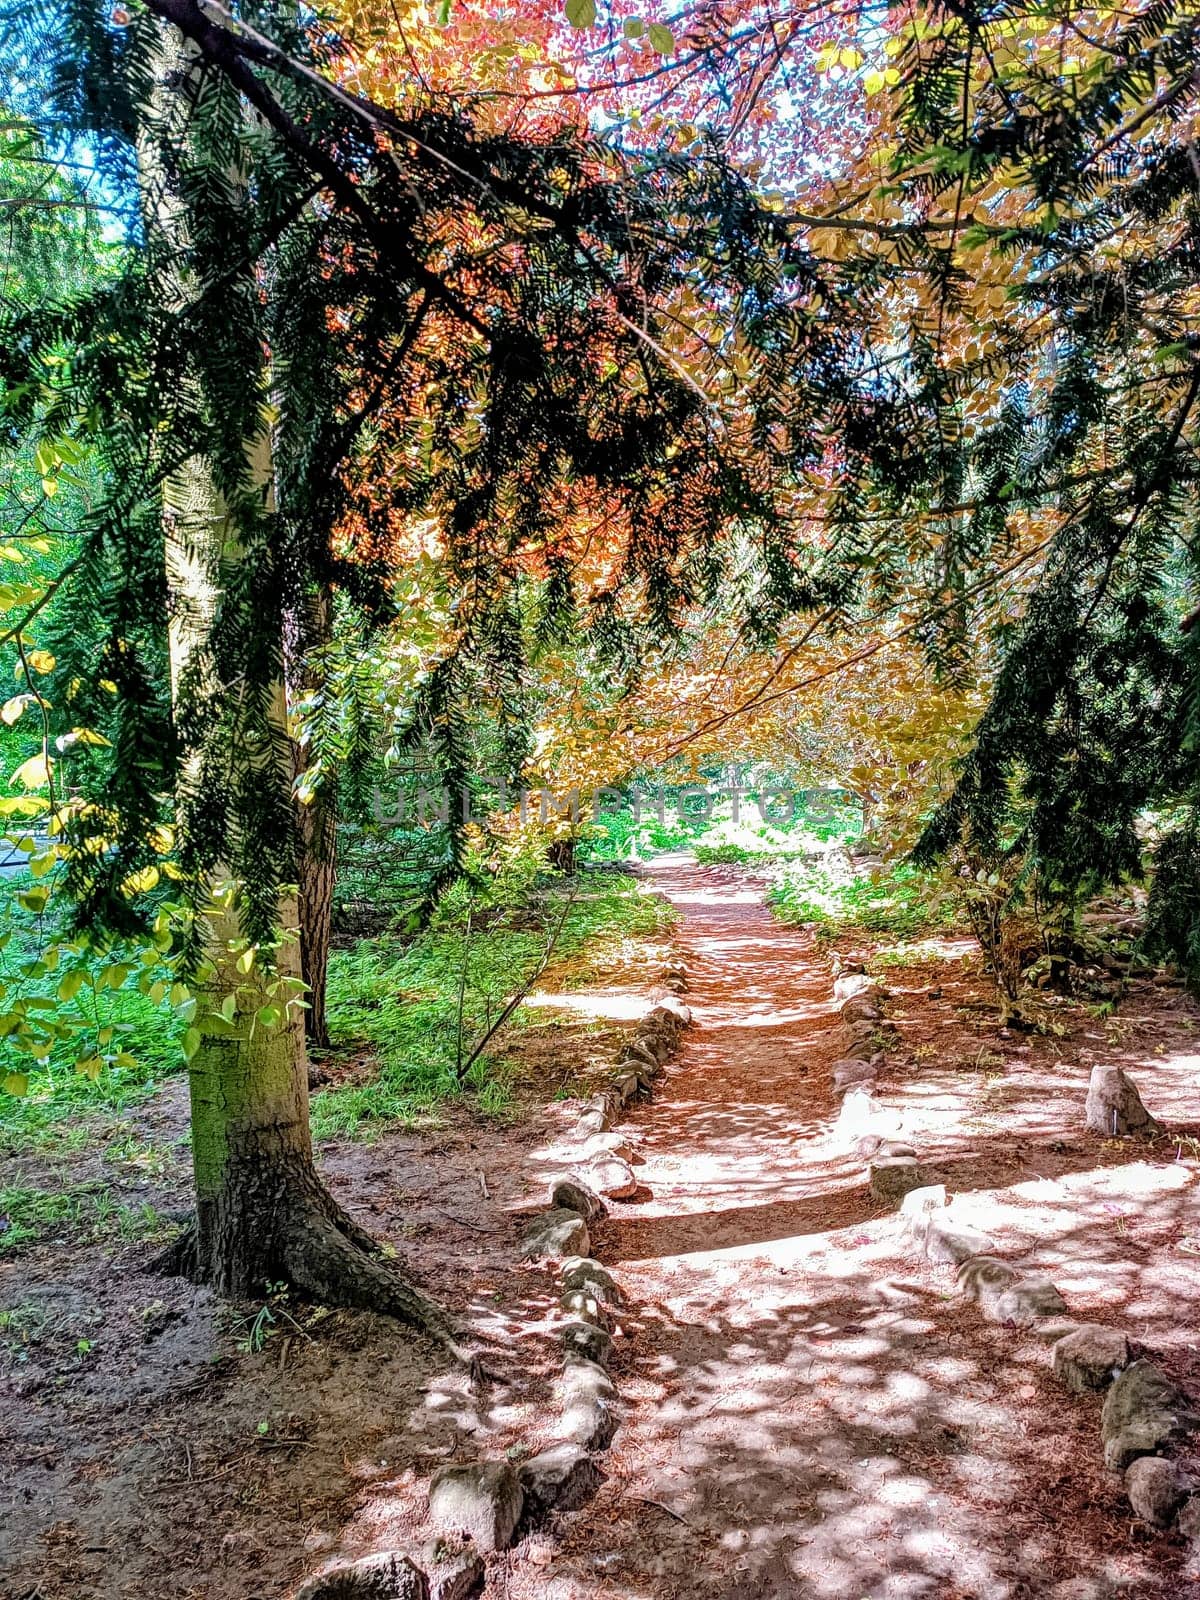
481	1506
1143	1414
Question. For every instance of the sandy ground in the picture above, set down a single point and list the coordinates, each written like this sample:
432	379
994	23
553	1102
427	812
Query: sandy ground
811	1412
814	1413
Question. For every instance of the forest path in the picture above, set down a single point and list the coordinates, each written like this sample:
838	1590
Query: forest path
810	1412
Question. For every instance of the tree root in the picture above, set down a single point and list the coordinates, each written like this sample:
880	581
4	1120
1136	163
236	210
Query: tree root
322	1252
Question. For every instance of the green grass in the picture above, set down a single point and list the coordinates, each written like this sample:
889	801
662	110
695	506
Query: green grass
718	837
400	997
86	1211
902	902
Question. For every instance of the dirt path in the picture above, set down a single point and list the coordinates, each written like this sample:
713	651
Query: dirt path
812	1414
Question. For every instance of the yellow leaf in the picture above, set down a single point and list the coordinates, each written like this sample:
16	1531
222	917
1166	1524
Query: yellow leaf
32	774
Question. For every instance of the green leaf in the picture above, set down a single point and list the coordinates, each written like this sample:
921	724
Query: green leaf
70	984
661	39
16	1083
581	13
634	27
192	1040
269	1016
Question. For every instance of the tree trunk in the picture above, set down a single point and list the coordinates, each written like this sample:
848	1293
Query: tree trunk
306	633
262	1214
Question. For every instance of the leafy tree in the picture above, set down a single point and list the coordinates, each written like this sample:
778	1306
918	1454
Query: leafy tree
321	287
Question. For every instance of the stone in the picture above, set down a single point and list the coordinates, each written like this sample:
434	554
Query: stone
851	984
555	1234
613	1177
892	1177
561	1478
581	1273
985	1278
588	1340
1025	1302
480	1500
637	1050
848	1073
1143	1411
583	1307
1114	1107
670	1012
1154	1489
610	1144
572	1194
950	1242
455	1571
591	1121
1089	1357
918	1203
860	1008
626	1087
388	1575
864	1048
590	1410
677	985
605	1107
897	1147
1188	1520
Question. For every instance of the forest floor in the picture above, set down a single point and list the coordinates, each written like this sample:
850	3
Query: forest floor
811	1412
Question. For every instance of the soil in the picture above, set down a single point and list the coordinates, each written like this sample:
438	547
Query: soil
811	1411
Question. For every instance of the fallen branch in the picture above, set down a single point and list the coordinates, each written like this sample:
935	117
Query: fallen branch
511	1004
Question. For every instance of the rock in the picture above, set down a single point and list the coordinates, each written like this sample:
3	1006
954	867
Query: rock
918	1203
677	985
861	1008
1188	1520
851	984
670	1012
591	1121
613	1177
848	1073
454	1570
560	1478
1154	1489
572	1194
588	1340
583	1307
389	1575
864	1048
984	1278
1142	1412
610	1144
1027	1301
1114	1107
581	1273
590	1411
892	1177
896	1147
556	1233
952	1242
1052	1329
637	1050
1090	1357
626	1087
604	1107
481	1500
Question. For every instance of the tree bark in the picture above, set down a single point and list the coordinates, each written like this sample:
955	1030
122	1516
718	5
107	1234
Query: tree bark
306	633
262	1214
